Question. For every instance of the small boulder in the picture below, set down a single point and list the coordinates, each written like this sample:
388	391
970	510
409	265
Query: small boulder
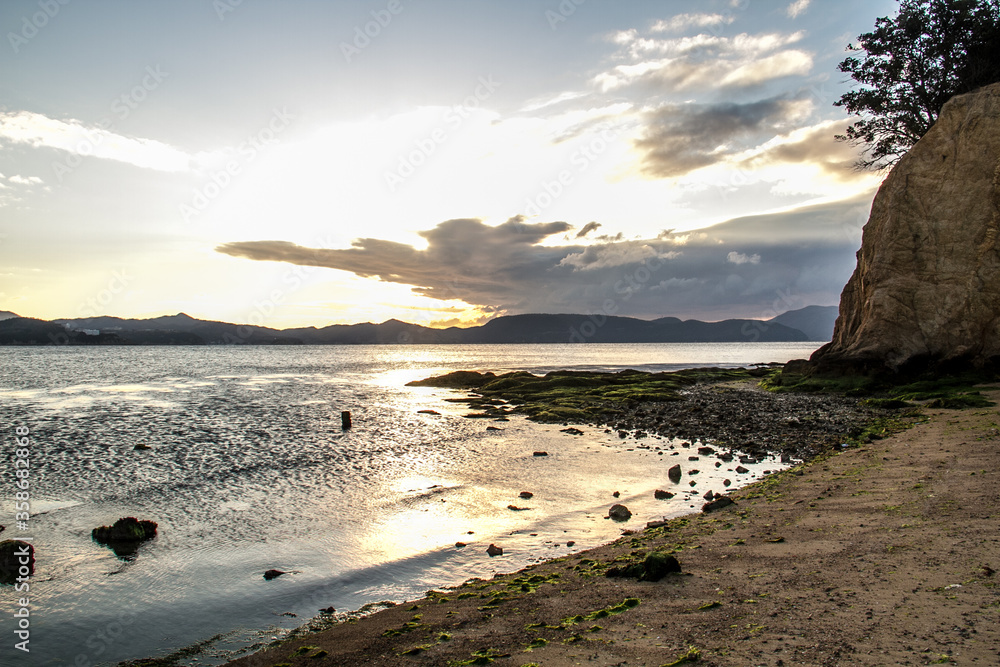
494	550
727	482
428	412
658	565
526	495
493	428
572	431
459	545
633	571
328	610
619	513
674	474
124	536
141	447
660	494
570	543
126	529
540	454
718	503
708	495
741	470
616	494
273	574
515	508
706	451
655	566
11	554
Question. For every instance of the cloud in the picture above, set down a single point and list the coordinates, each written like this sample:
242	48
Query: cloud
683	22
614	254
545	102
781	64
72	136
513	268
739	258
704	62
25	180
464	259
797	8
587	228
814	145
685	137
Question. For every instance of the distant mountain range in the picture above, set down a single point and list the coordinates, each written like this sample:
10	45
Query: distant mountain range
813	323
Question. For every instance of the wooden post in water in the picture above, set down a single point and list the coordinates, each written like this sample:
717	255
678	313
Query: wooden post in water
345	420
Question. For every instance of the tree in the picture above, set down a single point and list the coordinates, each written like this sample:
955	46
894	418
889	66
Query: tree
913	64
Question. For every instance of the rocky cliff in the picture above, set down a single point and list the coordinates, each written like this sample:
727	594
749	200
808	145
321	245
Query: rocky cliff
926	290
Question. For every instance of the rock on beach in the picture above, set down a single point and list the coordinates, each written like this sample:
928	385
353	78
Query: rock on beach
619	513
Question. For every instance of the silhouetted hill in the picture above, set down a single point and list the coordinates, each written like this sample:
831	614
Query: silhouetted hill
29	331
182	329
388	333
814	321
6	315
602	329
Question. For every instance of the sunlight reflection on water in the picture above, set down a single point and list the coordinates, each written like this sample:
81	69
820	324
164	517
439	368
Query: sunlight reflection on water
248	470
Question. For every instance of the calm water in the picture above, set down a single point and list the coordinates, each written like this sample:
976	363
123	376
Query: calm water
248	470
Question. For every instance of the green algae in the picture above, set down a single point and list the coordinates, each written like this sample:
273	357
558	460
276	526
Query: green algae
579	396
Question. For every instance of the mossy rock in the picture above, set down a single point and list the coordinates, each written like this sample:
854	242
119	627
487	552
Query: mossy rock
125	536
126	529
505	383
654	567
658	565
555	413
455	380
11	553
561	380
632	571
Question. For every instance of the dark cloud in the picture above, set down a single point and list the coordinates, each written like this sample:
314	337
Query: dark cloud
587	228
814	146
464	259
683	137
737	268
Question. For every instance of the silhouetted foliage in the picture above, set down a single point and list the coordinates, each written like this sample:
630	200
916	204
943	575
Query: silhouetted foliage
913	64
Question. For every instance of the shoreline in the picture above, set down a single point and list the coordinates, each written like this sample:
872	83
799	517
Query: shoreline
846	559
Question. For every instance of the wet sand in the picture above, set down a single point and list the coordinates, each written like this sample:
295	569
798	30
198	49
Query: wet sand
882	554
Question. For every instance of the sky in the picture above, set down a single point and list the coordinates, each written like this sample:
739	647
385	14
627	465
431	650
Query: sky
443	162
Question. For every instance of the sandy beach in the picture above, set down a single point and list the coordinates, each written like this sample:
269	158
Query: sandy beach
882	554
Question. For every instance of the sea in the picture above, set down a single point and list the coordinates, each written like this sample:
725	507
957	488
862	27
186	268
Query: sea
238	454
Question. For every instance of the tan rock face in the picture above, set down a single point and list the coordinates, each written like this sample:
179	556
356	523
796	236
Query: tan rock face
926	290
